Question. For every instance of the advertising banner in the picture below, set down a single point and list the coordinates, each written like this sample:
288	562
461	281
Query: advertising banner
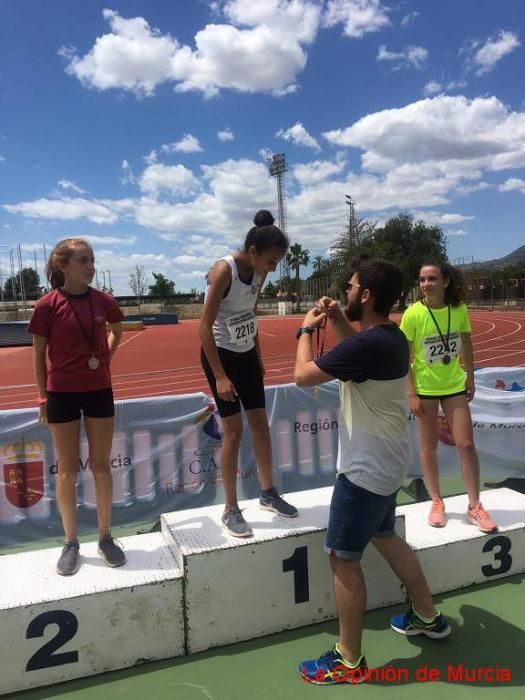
166	453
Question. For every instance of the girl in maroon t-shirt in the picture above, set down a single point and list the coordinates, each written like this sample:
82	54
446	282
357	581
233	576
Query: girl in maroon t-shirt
69	327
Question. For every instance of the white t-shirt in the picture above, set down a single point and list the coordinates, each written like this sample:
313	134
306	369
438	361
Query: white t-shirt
372	367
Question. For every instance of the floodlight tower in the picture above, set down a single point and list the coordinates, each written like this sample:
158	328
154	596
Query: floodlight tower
277	167
353	232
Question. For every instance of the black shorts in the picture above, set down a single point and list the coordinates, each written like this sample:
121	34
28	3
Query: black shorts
244	372
67	406
442	397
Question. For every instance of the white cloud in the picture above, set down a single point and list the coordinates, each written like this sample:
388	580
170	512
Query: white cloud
188	260
417	56
120	264
462	134
225	135
311	173
383	54
151	158
298	19
133	57
127	177
419	156
265	153
513	184
2	159
465	190
493	50
440	218
66	208
359	17
298	135
173	179
265	57
68	185
409	19
432	88
122	207
109	240
456	84
32	247
236	189
411	56
173	221
187	144
457	232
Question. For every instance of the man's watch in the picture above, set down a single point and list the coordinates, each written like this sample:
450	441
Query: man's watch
304	329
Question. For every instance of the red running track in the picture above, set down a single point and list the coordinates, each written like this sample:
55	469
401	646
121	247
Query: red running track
164	360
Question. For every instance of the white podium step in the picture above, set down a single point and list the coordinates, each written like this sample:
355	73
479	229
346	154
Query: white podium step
458	554
56	628
193	586
278	579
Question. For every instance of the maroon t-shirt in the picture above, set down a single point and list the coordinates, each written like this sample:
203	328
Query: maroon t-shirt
68	349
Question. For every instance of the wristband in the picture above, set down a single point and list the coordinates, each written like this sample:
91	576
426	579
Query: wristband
304	329
40	401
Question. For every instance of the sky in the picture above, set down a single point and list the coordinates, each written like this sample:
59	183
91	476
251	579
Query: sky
145	126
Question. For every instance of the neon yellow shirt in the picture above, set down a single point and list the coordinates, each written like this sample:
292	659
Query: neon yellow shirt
431	377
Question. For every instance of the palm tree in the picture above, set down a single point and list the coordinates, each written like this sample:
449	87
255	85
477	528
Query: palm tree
296	258
317	263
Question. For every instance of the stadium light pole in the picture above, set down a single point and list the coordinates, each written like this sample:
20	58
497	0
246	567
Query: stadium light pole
277	168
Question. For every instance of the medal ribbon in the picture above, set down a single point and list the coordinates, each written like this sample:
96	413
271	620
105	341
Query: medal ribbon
320	335
89	340
445	342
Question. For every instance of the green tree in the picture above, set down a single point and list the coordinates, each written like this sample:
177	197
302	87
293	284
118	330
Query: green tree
351	242
30	282
163	288
137	282
317	263
296	258
269	291
409	244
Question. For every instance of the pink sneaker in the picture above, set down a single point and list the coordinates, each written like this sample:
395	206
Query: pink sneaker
436	517
479	516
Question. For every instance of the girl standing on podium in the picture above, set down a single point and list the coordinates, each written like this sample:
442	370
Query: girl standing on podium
438	330
231	359
69	327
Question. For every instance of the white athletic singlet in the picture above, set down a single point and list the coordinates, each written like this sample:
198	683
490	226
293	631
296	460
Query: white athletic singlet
236	324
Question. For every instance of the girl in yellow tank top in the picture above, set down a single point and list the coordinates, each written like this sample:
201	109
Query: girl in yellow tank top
438	330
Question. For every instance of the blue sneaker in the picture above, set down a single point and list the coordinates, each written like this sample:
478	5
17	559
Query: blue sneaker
410	624
332	668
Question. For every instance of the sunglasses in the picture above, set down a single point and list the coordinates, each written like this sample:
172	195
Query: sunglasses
351	284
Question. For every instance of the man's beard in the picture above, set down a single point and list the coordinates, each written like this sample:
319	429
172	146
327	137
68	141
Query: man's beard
354	310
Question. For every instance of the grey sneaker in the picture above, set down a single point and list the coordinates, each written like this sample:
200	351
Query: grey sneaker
270	500
234	522
111	551
69	560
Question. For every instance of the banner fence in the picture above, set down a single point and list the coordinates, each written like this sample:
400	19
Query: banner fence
165	453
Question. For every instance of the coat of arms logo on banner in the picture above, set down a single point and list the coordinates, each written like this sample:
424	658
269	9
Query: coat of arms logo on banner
23	472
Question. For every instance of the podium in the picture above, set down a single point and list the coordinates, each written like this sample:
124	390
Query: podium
459	555
241	588
55	628
193	587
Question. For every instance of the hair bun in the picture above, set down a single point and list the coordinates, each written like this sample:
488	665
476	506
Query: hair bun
263	218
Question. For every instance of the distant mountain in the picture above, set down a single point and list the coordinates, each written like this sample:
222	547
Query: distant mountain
517	257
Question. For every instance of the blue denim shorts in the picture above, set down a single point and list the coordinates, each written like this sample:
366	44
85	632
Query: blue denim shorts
357	515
